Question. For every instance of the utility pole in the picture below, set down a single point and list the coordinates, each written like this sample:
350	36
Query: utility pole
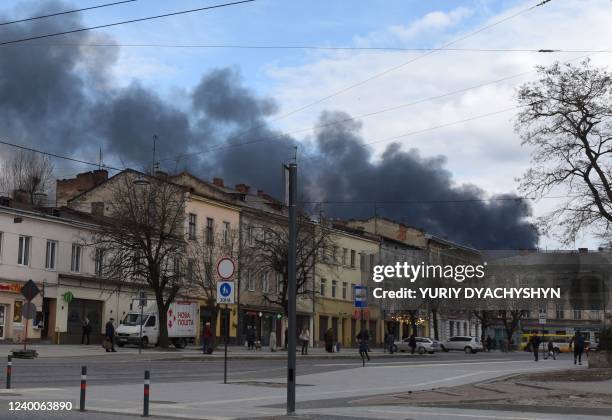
291	289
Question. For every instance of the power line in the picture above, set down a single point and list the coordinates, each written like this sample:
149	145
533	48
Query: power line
15	41
66	12
30	149
316	47
399	66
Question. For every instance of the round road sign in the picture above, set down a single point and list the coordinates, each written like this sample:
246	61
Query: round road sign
28	310
226	268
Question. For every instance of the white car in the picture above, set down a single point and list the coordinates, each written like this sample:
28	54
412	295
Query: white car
423	345
463	343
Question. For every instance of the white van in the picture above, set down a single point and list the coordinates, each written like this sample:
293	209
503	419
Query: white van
181	324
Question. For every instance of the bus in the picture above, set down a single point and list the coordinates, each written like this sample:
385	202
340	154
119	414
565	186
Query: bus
561	342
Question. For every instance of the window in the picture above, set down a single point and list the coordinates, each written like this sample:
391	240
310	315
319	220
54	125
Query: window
192	226
279	283
1	243
50	255
353	292
344	256
335	254
371	262
176	269
577	313
362	262
75	259
99	262
265	282
250	235
208	272
209	230
226	233
352	258
150	321
23	258
559	311
251	282
344	289
334	287
189	271
323	286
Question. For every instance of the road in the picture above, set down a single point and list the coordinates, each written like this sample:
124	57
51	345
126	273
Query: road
327	388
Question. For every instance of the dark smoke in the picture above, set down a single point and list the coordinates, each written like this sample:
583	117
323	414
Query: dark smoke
63	99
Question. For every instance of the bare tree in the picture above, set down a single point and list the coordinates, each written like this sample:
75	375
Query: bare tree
26	171
487	318
201	256
511	319
142	239
567	120
266	250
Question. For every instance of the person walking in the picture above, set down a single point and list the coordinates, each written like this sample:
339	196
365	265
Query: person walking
488	343
578	343
110	335
286	338
329	340
207	335
86	331
305	337
272	341
364	347
535	345
550	350
390	342
412	343
250	336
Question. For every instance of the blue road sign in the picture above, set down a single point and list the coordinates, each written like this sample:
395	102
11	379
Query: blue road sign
361	297
225	292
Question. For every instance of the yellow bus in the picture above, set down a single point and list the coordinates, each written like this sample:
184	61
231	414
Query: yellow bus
561	342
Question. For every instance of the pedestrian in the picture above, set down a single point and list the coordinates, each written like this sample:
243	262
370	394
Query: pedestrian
535	345
364	347
86	331
489	343
250	336
286	338
272	341
578	343
329	340
551	350
390	341
110	336
305	338
412	343
207	335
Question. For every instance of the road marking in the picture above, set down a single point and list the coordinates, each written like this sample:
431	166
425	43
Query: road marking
404	364
449	414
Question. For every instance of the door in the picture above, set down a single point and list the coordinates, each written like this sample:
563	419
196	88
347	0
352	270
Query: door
323	326
78	309
2	321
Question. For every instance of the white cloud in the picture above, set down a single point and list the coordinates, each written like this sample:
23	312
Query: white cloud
433	21
485	152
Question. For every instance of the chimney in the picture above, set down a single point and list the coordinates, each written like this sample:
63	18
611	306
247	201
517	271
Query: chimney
70	188
243	188
218	182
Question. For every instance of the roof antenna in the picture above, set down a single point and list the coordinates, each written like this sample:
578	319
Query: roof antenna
295	150
100	159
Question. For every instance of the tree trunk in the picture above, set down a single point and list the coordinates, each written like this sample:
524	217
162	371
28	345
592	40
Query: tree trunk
162	313
434	314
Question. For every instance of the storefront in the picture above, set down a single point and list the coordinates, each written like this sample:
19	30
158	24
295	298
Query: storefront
12	323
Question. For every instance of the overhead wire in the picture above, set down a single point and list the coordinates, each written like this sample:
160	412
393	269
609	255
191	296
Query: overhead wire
125	22
10	22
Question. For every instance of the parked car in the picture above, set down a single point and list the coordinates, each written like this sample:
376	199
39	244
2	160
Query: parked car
423	345
463	343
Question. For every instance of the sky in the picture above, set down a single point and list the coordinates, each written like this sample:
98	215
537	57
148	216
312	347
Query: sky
485	152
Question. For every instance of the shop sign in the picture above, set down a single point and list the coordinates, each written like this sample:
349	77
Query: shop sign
68	296
10	287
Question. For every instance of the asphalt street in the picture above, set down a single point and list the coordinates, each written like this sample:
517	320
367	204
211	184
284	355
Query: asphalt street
124	369
188	388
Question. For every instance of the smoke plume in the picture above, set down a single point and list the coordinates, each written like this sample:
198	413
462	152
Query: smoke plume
63	99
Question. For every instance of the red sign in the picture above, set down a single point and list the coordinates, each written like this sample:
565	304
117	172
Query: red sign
12	287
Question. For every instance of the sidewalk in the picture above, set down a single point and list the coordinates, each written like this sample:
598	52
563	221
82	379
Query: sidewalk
234	352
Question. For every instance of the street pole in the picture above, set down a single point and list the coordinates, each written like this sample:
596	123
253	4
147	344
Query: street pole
141	322
291	289
227	325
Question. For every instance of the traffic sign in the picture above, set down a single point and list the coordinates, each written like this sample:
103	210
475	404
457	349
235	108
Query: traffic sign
361	297
225	292
226	268
142	298
30	290
28	310
542	318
